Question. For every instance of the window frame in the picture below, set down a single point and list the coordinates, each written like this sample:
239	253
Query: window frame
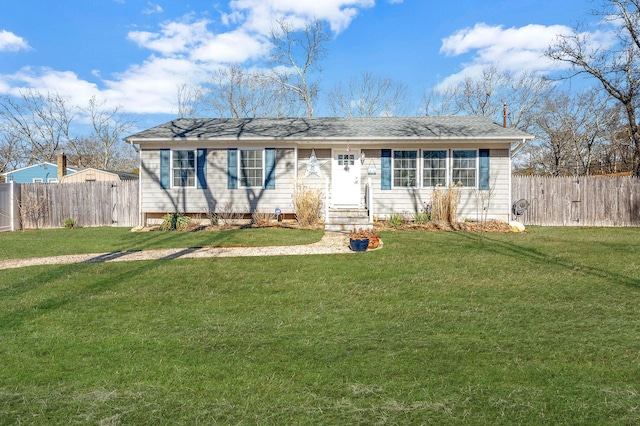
445	168
241	177
475	168
173	168
37	180
416	168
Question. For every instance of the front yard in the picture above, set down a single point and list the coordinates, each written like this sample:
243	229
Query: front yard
435	328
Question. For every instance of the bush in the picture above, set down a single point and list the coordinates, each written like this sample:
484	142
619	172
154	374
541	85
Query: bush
308	205
70	223
420	218
262	218
396	220
175	221
444	203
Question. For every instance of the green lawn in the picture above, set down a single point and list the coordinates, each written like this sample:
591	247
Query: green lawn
435	328
51	242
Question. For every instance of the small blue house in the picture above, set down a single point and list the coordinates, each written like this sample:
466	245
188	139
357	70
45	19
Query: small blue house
38	173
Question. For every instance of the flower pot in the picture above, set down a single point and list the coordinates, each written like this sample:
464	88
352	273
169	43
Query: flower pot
373	243
359	245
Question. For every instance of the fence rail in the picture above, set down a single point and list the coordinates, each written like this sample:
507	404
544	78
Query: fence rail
579	201
89	203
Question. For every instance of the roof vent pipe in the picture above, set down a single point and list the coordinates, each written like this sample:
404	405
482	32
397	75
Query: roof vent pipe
504	115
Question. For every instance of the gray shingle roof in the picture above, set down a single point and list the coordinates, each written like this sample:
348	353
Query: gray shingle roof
339	128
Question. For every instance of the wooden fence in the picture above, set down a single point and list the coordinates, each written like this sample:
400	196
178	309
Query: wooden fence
578	201
89	203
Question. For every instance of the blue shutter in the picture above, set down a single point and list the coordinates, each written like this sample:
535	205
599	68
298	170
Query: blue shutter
165	169
232	168
270	168
201	169
484	169
386	169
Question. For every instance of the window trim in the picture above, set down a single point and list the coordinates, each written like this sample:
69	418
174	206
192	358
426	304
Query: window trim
195	168
37	180
447	174
393	168
240	168
476	167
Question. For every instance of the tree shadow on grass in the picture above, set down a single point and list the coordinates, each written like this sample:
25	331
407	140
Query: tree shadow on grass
531	255
13	318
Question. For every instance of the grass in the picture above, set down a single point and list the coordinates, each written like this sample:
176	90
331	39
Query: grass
436	328
51	242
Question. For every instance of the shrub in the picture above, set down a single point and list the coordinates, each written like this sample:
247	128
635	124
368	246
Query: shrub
262	218
444	203
420	218
396	220
307	204
174	221
70	223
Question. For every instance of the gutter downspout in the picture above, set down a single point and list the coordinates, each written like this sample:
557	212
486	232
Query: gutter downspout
139	151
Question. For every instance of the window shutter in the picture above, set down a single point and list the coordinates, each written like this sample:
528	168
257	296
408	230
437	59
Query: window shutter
270	168
484	169
232	168
165	168
201	169
386	169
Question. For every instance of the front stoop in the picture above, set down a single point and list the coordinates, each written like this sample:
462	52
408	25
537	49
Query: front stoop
344	220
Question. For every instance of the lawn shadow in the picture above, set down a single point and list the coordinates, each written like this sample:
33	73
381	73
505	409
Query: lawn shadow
16	318
521	253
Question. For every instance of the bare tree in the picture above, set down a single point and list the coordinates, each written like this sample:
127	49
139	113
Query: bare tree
188	98
103	147
234	92
296	57
39	124
572	130
10	153
487	94
617	68
369	96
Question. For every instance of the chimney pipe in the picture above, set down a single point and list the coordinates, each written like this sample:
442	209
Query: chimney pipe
504	115
62	166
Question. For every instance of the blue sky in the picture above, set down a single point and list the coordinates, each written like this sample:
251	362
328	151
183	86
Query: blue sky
134	53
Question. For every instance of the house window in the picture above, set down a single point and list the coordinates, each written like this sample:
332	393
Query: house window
251	170
37	180
52	180
184	168
346	160
463	168
405	168
434	169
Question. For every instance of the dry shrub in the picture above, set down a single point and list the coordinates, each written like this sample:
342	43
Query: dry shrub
262	218
308	205
444	203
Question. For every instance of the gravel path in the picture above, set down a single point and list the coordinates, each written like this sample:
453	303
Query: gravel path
331	243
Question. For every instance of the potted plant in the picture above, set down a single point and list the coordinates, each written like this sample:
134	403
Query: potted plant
359	239
374	239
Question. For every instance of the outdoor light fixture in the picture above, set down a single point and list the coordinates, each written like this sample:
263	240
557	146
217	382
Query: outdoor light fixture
362	157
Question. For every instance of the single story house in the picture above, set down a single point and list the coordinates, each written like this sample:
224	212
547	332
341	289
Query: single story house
382	165
38	173
97	175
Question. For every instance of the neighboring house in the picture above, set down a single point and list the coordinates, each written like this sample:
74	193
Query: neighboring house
98	175
384	165
38	173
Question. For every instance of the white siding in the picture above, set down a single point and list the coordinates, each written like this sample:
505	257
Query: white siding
194	200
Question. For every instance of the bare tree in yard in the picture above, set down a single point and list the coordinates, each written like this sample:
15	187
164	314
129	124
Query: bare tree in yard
617	68
103	147
572	130
40	124
10	154
369	96
487	93
296	57
189	98
235	92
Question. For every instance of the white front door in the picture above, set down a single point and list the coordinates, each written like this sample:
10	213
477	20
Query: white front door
345	178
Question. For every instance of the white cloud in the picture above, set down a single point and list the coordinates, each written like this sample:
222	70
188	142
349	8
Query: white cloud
153	8
182	50
9	42
261	15
513	49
